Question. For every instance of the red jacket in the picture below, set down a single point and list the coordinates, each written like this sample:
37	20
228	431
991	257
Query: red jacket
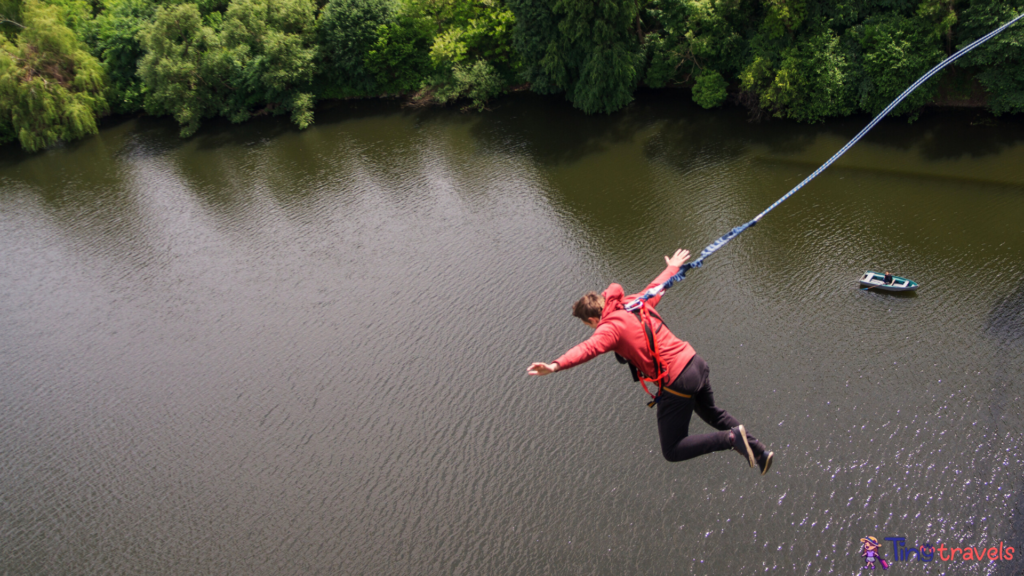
622	332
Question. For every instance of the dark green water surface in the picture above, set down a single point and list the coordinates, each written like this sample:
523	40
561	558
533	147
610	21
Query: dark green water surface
268	352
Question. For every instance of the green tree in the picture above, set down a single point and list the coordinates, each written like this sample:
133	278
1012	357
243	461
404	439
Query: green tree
177	77
812	82
10	18
940	14
476	80
589	49
399	58
74	14
709	89
664	60
471	30
51	88
113	37
783	16
346	32
699	40
472	53
536	28
596	57
999	63
897	50
261	61
267	59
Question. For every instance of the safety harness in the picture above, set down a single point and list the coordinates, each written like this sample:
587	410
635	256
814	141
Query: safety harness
643	315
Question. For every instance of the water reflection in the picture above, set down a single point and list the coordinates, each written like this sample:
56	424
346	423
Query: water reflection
1006	320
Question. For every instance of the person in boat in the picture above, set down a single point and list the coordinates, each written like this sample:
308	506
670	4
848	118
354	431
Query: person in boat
888	278
657	356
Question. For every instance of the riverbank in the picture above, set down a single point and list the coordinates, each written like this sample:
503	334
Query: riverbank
951	103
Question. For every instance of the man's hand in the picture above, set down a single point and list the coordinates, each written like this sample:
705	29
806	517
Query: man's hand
678	259
541	369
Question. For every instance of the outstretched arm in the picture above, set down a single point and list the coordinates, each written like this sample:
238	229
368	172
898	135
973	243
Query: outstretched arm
672	267
542	369
678	259
605	338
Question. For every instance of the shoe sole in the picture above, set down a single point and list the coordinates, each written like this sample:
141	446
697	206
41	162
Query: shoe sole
768	463
750	453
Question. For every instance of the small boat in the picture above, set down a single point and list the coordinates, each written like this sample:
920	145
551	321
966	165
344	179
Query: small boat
877	281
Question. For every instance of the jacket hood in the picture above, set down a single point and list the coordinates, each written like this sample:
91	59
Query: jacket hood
613	299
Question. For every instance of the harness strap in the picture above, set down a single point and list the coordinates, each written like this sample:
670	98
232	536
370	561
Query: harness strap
643	314
671	391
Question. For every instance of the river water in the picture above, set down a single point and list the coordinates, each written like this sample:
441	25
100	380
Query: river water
262	351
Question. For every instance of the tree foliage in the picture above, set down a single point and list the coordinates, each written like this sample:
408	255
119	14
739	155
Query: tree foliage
63	61
176	68
399	58
10	18
477	80
812	82
260	61
347	31
51	88
267	59
999	63
472	53
536	28
589	49
471	31
896	51
113	37
709	89
699	41
596	57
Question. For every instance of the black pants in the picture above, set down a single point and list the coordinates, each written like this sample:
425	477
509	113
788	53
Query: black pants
674	417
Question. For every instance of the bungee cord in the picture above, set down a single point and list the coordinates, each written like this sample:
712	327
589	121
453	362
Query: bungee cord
714	246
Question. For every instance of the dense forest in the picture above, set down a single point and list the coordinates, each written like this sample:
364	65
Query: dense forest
66	63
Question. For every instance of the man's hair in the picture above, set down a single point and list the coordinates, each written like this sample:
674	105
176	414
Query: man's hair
589	306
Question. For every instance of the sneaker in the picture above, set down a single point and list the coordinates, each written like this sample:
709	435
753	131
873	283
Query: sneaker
740	444
765	461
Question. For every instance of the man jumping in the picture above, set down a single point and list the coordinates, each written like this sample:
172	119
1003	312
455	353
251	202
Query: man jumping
655	355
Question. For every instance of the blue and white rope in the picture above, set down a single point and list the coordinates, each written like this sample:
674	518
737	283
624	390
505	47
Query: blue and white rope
711	248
